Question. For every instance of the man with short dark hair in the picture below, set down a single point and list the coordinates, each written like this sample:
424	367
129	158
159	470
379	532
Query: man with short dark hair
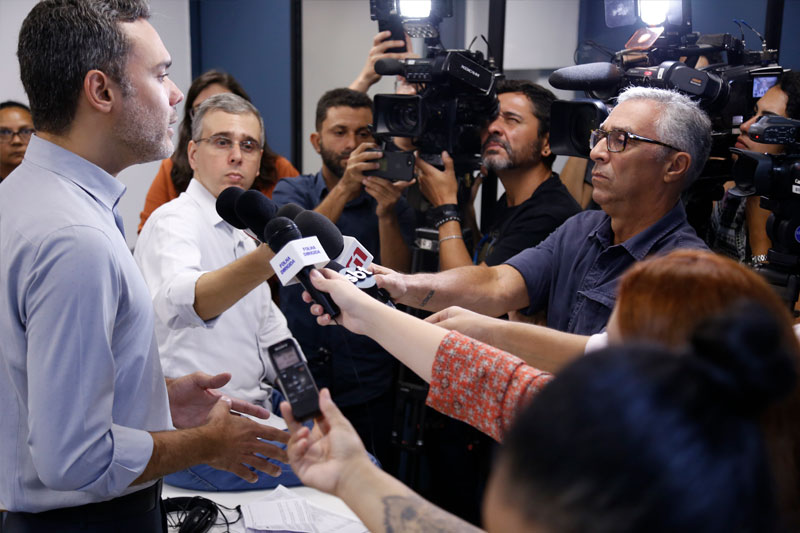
16	128
87	416
516	147
371	209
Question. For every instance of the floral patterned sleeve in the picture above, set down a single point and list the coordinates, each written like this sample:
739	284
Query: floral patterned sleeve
481	385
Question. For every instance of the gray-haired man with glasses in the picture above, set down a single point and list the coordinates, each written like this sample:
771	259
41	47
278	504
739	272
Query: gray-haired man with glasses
653	144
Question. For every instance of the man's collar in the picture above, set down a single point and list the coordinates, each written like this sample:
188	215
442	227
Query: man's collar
639	245
94	180
208	204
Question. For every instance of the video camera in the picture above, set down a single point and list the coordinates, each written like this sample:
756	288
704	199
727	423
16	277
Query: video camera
455	91
667	56
776	179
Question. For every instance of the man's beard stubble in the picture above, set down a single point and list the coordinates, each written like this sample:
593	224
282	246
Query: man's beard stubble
512	159
332	160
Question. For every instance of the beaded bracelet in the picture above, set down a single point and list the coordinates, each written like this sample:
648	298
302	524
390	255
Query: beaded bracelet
445	220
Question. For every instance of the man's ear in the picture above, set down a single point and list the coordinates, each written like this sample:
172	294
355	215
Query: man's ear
191	154
315	141
101	94
678	167
545	150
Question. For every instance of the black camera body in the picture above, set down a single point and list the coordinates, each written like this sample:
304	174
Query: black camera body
395	166
455	100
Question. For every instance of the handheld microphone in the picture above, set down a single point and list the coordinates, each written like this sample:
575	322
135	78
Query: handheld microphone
254	209
289	211
334	243
295	257
587	77
226	209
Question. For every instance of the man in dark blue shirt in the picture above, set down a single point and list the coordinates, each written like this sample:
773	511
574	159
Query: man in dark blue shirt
356	369
652	146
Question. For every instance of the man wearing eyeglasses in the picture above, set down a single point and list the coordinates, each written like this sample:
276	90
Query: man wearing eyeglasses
214	311
16	128
652	145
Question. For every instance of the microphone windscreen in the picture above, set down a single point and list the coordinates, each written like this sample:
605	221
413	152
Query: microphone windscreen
588	77
312	223
255	210
289	211
226	206
279	231
390	67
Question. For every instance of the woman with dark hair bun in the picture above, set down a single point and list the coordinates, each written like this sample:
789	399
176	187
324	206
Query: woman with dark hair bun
174	174
635	437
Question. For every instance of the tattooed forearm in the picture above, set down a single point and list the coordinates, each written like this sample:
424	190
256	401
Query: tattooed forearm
427	298
413	513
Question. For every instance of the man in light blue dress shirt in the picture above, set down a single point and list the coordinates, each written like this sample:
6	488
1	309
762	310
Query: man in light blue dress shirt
87	418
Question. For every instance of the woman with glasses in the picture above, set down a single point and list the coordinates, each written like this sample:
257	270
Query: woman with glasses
175	173
16	128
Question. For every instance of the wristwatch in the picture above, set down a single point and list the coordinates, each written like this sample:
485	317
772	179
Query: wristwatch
757	260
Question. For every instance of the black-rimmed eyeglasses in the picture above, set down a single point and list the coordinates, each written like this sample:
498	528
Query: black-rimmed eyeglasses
6	135
617	140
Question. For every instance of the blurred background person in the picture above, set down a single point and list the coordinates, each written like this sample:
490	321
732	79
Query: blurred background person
596	449
175	173
738	225
16	128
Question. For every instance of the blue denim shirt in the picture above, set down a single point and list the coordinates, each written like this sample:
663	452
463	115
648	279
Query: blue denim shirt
573	274
354	367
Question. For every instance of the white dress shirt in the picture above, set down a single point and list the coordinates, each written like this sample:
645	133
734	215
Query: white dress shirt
182	240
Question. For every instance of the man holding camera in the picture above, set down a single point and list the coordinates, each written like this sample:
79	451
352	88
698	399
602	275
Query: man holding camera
516	146
371	209
652	145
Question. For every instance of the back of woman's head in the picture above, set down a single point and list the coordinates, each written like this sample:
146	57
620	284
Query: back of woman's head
664	298
633	438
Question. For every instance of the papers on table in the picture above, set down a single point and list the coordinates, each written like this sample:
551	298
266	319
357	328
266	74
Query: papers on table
284	511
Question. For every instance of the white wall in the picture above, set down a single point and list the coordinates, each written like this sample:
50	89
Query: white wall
337	36
171	19
540	34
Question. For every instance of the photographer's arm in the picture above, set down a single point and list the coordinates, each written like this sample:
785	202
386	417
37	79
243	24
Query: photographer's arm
756	217
349	185
441	188
395	253
380	43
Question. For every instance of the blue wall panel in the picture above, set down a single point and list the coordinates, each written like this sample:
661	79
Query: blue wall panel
250	39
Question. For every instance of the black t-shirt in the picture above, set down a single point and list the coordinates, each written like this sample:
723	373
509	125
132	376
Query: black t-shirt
526	225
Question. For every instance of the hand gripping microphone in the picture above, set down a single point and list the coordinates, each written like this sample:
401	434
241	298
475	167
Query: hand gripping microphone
226	208
312	223
295	257
254	209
